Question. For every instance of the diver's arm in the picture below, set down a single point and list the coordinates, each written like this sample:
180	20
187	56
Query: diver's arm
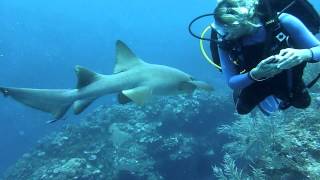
234	79
301	36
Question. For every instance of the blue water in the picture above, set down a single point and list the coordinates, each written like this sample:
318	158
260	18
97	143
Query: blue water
41	42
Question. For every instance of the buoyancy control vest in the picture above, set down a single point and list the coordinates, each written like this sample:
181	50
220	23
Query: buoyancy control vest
276	38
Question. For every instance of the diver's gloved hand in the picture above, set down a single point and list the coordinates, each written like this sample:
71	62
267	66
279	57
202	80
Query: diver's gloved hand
290	57
266	69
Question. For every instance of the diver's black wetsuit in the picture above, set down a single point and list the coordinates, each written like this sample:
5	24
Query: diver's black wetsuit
287	86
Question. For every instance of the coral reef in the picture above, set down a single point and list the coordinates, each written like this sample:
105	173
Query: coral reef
230	171
182	137
284	146
172	138
312	70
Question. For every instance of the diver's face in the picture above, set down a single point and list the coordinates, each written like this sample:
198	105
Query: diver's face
242	25
236	31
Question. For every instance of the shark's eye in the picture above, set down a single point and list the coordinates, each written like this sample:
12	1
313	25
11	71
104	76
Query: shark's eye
191	78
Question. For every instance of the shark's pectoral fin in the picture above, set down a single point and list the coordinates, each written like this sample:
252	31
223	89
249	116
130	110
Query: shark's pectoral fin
187	87
85	76
138	95
81	105
123	99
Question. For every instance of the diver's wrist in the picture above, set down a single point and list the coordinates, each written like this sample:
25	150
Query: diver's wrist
310	55
253	75
307	55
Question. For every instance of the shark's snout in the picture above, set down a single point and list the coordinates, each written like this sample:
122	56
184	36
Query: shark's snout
203	85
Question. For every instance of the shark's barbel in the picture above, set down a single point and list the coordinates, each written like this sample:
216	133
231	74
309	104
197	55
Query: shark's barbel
133	80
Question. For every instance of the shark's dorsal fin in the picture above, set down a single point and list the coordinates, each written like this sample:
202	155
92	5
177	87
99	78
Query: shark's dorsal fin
125	58
138	95
85	76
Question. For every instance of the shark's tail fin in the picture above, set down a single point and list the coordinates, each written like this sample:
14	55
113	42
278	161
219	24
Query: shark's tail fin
56	102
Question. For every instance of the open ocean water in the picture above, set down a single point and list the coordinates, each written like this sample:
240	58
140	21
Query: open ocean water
173	138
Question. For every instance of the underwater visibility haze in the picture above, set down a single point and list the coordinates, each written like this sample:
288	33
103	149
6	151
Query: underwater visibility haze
191	136
42	41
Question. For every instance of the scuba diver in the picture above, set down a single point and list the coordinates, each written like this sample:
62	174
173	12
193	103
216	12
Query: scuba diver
262	51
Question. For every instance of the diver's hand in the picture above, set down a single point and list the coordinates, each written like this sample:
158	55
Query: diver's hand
289	57
266	69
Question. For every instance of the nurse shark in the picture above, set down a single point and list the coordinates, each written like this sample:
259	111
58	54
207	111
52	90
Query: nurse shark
133	79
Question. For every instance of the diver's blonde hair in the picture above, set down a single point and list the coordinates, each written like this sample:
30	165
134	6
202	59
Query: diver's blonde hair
234	12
